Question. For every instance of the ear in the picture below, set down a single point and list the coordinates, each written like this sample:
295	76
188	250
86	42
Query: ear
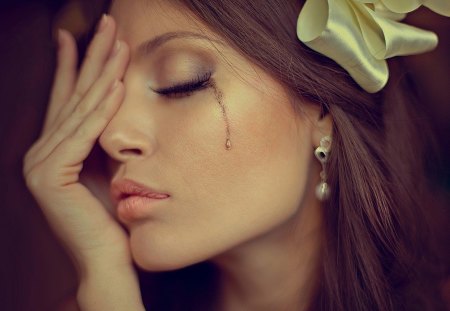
323	126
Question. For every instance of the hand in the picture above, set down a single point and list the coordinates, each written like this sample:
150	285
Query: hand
81	106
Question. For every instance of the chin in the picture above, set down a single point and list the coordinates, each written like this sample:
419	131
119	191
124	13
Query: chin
161	254
158	263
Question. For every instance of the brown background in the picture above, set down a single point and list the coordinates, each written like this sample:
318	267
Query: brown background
34	270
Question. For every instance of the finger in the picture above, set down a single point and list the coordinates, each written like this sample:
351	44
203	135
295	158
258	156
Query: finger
65	76
39	153
84	136
97	55
75	148
114	70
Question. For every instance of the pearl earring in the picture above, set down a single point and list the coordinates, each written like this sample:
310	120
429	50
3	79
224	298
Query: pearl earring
322	154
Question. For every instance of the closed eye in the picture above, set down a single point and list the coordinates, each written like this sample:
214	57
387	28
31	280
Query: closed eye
187	88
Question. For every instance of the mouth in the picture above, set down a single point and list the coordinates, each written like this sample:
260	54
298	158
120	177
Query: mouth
134	200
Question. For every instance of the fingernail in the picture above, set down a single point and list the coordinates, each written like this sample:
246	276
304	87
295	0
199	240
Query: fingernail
117	47
103	23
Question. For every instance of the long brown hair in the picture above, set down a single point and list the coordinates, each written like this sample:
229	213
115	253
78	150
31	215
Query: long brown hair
376	250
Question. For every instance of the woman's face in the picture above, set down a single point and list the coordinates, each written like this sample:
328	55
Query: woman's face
219	198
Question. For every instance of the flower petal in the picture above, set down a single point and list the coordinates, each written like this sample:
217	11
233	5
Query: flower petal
332	29
386	38
402	6
441	7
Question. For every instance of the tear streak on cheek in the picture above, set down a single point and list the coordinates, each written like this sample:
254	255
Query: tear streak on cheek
219	97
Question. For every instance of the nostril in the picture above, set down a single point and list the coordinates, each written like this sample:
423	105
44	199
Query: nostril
131	152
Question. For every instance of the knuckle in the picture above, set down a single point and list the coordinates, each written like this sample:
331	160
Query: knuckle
26	164
66	127
29	157
34	179
81	109
60	133
81	131
101	116
37	144
42	178
77	96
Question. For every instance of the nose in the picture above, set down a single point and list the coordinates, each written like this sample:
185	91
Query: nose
128	134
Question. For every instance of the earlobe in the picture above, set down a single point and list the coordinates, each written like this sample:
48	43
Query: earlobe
323	127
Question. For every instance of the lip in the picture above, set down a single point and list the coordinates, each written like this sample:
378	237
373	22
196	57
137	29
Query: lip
134	200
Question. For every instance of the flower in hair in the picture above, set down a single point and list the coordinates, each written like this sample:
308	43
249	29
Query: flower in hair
360	35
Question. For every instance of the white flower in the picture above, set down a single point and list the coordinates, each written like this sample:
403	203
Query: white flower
361	34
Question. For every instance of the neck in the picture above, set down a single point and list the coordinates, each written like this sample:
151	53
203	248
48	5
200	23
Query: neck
277	271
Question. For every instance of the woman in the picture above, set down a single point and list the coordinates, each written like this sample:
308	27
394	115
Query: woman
251	169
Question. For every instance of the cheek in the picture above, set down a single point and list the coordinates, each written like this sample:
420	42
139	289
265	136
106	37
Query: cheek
225	197
263	174
271	156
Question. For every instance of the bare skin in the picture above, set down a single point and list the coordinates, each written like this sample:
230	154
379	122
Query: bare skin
250	208
282	275
81	106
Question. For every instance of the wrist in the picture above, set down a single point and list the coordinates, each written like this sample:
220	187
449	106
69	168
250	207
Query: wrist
96	262
99	268
107	288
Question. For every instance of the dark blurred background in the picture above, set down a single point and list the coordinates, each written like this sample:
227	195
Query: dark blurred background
35	272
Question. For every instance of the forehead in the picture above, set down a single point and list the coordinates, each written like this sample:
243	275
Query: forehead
139	19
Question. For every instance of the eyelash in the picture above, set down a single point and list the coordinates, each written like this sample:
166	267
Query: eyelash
187	88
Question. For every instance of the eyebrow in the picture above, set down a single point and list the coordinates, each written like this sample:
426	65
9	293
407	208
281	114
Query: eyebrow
149	46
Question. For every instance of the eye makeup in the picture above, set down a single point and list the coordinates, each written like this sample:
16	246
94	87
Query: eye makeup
186	88
176	64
